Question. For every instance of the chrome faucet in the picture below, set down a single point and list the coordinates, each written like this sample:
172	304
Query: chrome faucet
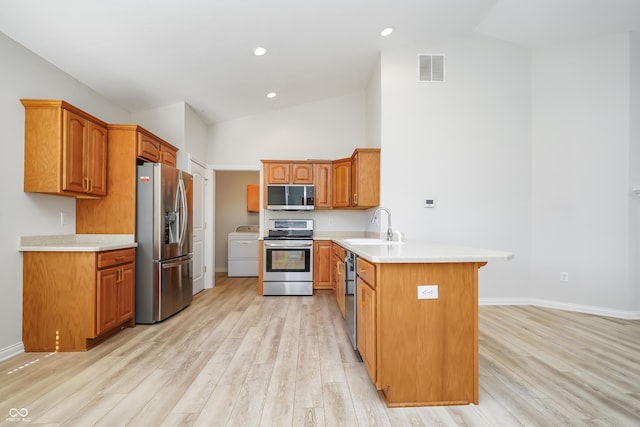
375	216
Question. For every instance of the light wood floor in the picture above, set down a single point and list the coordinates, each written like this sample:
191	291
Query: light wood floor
233	358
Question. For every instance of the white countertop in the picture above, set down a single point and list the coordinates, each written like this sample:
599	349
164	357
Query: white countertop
76	243
423	252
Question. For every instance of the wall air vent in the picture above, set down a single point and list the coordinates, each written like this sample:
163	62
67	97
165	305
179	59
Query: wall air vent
431	68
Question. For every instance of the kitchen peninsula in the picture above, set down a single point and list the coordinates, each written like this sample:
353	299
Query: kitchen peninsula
417	319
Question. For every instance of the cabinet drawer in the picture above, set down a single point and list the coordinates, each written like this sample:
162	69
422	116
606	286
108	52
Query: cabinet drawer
367	272
338	251
119	256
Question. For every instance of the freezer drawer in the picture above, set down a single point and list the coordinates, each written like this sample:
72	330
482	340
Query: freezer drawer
175	286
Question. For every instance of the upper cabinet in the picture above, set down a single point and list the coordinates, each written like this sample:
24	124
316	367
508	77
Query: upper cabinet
365	178
153	149
322	181
65	150
341	197
349	183
356	180
279	172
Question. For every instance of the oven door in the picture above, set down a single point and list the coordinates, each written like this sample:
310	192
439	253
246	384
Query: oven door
288	260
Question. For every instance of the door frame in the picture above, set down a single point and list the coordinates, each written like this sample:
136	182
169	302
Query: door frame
211	233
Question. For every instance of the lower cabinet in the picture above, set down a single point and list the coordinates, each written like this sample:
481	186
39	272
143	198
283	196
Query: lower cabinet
115	297
322	265
74	300
337	275
366	324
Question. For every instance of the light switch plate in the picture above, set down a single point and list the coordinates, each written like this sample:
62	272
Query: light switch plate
428	292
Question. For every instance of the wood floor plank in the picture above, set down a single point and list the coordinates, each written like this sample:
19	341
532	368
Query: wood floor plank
234	358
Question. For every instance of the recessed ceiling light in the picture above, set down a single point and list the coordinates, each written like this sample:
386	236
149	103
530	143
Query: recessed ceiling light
386	32
271	95
259	51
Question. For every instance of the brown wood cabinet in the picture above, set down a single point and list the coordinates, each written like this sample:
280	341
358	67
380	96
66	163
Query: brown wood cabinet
322	179
356	180
116	290
116	213
65	150
426	350
366	315
73	300
152	148
253	198
365	178
283	172
322	257
341	180
338	275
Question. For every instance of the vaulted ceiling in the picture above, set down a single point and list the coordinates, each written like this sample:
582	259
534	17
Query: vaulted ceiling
144	54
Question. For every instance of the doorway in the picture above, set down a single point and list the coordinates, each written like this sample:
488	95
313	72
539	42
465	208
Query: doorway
230	198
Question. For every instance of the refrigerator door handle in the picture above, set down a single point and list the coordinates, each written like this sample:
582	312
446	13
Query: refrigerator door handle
177	263
181	207
184	209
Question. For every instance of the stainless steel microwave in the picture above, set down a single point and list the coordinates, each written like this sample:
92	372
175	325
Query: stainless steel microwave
290	197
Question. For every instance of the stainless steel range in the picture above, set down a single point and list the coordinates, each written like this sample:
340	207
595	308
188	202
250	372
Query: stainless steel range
288	257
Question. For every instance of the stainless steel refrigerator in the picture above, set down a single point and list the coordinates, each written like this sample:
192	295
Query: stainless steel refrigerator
164	258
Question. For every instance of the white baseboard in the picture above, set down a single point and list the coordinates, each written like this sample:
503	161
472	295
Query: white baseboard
12	350
599	311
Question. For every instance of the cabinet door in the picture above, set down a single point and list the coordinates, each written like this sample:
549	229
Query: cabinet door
366	325
322	257
277	173
365	178
339	269
322	183
301	173
74	143
126	292
148	148
96	159
341	183
107	313
168	156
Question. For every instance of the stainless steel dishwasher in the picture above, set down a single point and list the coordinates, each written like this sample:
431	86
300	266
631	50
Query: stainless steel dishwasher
350	298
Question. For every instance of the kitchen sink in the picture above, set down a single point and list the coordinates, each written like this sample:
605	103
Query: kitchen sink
371	241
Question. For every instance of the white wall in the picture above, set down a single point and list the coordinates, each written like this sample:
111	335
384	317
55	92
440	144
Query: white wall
465	143
374	108
634	167
25	75
585	220
327	129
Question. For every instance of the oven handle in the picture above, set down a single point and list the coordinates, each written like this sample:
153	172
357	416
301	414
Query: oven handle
289	245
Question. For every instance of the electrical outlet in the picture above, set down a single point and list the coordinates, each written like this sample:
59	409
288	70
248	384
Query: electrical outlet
64	218
429	203
428	292
564	276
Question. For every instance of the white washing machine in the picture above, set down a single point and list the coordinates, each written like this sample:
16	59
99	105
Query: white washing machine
243	252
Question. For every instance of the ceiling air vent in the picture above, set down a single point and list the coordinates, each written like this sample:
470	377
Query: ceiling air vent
431	68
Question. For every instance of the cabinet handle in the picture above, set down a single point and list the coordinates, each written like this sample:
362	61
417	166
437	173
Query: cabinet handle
86	184
355	198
